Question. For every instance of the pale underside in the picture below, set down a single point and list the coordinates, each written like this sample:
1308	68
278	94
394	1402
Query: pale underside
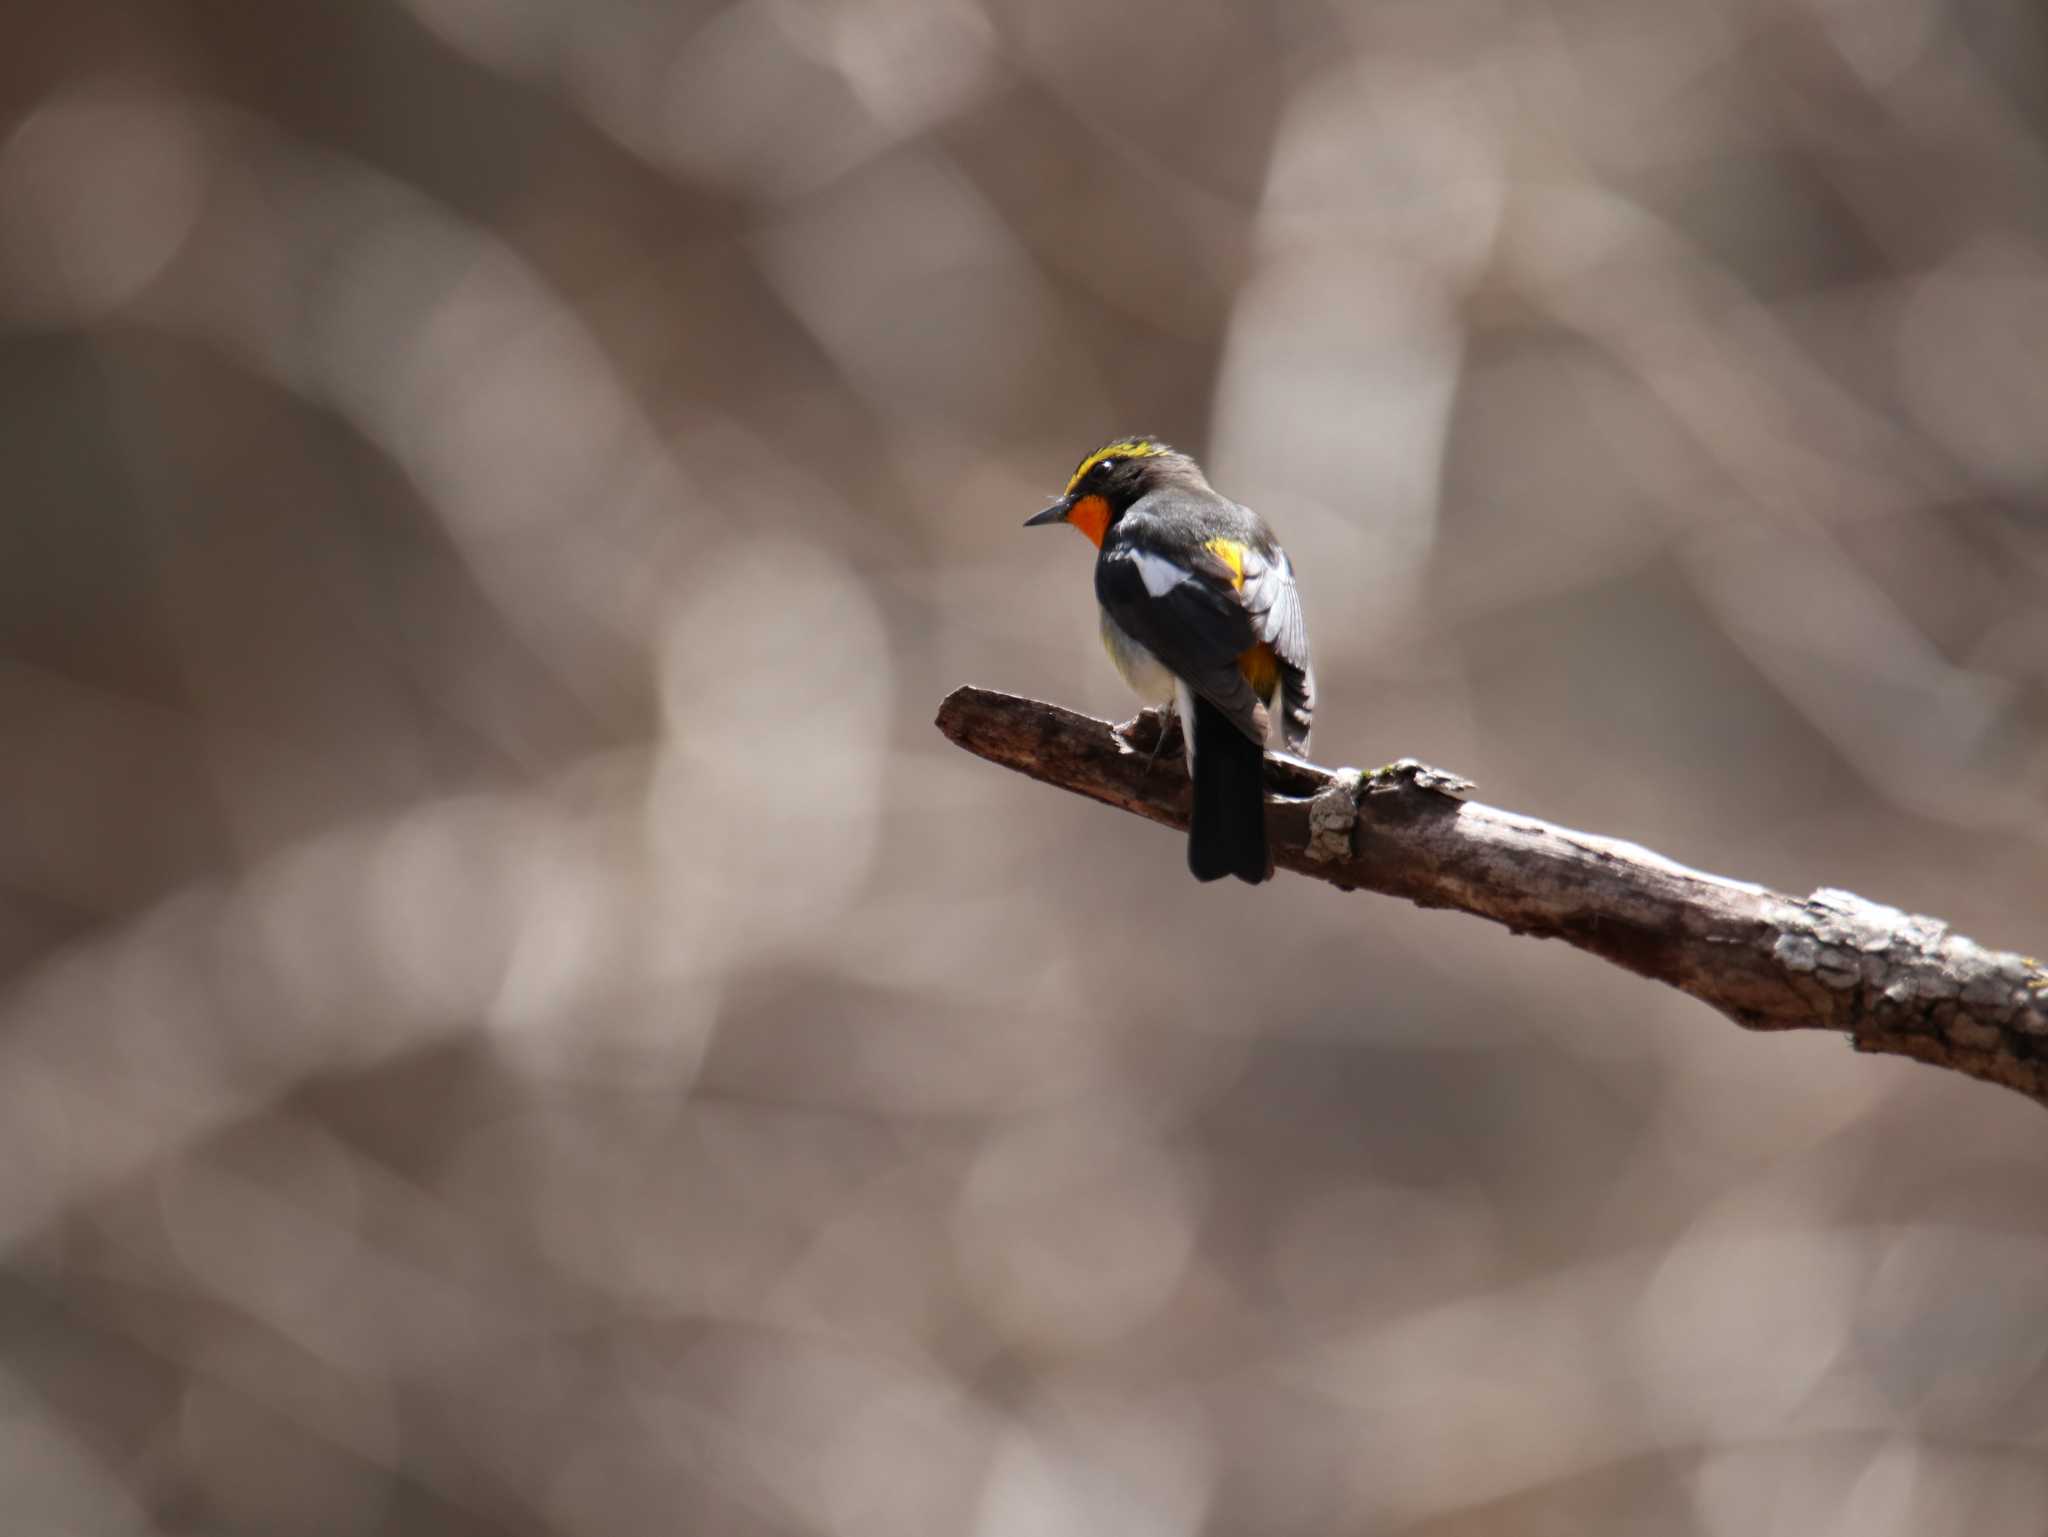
1150	680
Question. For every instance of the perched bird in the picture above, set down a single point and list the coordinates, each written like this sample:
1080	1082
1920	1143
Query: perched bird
1200	615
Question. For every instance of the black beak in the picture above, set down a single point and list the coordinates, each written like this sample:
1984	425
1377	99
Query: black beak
1056	513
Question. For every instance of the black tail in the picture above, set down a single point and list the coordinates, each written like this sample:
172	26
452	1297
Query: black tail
1227	834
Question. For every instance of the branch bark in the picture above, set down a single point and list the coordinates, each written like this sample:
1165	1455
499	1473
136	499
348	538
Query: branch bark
1891	981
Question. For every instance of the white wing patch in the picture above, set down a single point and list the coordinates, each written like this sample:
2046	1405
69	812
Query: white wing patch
1159	574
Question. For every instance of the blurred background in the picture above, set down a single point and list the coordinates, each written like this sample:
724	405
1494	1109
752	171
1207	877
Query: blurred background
512	1021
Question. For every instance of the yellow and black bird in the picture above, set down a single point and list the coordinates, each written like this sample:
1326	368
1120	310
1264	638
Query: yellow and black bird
1200	615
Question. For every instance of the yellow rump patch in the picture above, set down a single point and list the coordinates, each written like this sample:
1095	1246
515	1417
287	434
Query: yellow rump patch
1127	448
1261	669
1232	554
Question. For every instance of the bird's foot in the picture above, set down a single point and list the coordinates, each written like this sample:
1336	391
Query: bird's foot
1148	732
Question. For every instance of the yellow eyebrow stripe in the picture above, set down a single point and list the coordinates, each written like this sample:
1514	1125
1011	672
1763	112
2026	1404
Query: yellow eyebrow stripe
1129	448
1232	554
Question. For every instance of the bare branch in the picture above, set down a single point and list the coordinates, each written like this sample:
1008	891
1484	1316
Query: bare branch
1891	981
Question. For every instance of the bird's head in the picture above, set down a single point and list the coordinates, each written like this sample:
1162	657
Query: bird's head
1108	481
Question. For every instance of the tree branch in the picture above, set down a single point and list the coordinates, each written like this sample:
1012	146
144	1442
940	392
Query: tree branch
1891	981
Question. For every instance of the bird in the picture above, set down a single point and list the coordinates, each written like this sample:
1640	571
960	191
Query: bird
1201	617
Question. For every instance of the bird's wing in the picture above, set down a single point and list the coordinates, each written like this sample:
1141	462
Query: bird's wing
1269	596
1204	607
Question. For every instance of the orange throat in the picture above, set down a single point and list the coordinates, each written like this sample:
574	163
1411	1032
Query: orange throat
1090	515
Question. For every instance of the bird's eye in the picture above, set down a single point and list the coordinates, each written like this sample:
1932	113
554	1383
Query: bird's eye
1105	467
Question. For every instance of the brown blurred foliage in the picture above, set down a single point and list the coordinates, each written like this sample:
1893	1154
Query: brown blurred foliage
511	1020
